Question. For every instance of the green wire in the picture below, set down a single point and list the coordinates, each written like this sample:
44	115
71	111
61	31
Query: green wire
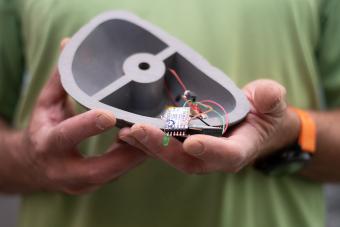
222	118
186	102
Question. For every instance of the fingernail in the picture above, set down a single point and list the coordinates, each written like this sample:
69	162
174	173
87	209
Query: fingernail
128	140
140	134
103	121
195	149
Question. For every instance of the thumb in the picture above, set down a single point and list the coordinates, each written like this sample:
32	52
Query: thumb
267	96
53	91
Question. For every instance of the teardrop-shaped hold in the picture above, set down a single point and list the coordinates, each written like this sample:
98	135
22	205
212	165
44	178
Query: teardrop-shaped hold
119	62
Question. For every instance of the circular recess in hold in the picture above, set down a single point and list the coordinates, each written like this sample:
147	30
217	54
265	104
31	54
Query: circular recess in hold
144	68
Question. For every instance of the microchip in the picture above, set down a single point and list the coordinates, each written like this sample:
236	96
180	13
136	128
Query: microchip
177	121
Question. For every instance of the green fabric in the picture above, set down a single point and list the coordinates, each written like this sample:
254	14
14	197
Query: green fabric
328	54
293	42
11	61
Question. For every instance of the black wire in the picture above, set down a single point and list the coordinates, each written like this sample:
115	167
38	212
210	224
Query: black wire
204	122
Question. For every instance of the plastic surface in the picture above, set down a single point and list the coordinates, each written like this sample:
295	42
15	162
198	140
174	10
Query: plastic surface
119	62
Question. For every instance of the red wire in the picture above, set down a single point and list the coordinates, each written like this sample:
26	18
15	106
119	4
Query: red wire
173	100
222	108
174	73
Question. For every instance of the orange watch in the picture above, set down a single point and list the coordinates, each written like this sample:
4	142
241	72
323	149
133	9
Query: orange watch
307	135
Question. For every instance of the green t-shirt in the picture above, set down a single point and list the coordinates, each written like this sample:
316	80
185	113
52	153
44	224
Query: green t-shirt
295	42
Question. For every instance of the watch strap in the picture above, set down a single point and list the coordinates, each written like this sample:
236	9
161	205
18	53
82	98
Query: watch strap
307	135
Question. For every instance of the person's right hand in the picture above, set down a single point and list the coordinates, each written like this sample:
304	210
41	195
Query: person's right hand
48	151
46	154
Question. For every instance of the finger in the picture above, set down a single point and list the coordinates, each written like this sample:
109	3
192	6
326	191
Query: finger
53	92
267	96
218	153
172	154
125	136
64	42
101	169
73	130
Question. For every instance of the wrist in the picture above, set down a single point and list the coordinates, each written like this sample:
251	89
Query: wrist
14	156
9	139
292	128
299	145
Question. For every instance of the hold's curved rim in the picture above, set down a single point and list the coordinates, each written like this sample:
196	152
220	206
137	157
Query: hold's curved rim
65	68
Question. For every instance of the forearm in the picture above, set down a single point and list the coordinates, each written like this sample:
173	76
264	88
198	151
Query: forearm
325	164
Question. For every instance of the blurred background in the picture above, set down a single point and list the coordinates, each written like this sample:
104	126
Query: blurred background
9	208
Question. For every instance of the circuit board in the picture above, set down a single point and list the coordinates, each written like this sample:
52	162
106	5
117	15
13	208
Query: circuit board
177	121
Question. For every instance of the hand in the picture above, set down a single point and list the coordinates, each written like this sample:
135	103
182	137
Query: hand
46	153
269	126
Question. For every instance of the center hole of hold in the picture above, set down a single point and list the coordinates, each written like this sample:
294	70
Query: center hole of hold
144	66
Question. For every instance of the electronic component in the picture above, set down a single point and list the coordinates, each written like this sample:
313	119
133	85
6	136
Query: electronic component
189	95
190	119
177	121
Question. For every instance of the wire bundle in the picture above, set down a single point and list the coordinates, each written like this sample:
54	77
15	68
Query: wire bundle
199	108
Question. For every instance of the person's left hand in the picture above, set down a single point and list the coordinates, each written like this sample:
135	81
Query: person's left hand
269	126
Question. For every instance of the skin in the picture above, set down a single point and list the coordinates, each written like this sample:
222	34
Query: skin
324	166
269	126
45	155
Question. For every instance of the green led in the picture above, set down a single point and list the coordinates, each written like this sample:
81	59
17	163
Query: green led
166	140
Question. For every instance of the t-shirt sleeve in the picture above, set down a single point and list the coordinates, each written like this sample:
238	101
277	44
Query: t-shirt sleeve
329	52
11	59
